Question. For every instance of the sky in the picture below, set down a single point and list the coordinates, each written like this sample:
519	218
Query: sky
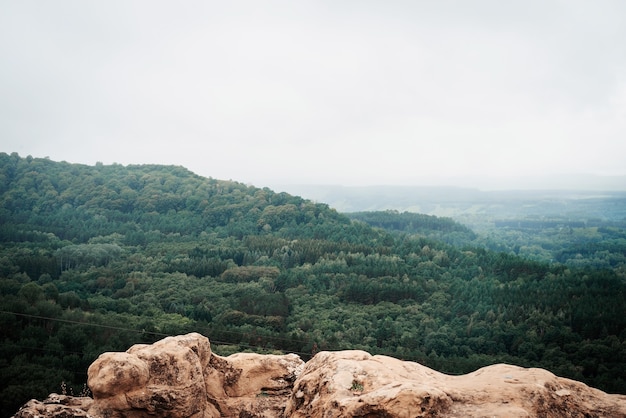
474	93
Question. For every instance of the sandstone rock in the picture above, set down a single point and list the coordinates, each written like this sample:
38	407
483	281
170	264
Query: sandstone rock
264	384
56	406
356	384
163	379
180	377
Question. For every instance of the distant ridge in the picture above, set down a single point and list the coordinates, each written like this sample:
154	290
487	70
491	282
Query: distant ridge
438	200
454	188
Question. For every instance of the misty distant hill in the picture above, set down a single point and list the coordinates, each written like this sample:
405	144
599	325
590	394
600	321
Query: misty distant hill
458	201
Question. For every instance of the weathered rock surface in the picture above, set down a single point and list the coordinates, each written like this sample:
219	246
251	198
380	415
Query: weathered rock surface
181	377
356	384
57	406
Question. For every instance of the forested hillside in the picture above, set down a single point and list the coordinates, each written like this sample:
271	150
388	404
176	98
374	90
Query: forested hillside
97	258
433	227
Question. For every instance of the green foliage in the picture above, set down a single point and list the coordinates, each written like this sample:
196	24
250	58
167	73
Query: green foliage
444	229
356	386
95	259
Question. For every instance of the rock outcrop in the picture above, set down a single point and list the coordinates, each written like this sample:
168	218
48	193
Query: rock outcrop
181	377
357	384
57	406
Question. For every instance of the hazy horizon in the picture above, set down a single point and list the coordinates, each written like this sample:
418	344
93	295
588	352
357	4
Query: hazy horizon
482	94
572	182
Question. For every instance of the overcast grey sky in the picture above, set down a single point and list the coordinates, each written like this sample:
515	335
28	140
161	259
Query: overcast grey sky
319	92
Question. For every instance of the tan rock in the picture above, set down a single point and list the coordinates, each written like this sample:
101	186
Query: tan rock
356	384
264	373
499	389
180	377
56	406
165	379
263	384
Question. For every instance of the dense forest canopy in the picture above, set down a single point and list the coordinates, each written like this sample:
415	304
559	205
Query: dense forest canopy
97	258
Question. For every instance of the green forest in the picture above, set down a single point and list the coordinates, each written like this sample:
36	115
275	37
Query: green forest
97	258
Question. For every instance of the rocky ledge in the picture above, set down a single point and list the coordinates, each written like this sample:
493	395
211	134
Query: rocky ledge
181	377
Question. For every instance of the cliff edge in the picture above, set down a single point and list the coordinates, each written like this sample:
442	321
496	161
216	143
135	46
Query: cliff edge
181	377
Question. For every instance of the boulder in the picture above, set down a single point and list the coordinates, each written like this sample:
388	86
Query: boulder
357	384
181	377
56	406
164	379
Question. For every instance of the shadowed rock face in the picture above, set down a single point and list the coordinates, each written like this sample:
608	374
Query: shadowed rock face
181	377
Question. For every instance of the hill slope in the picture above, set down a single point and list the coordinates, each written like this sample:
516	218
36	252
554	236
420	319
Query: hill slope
96	259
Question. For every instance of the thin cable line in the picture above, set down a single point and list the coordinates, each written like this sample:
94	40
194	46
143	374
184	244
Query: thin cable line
160	334
69	321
